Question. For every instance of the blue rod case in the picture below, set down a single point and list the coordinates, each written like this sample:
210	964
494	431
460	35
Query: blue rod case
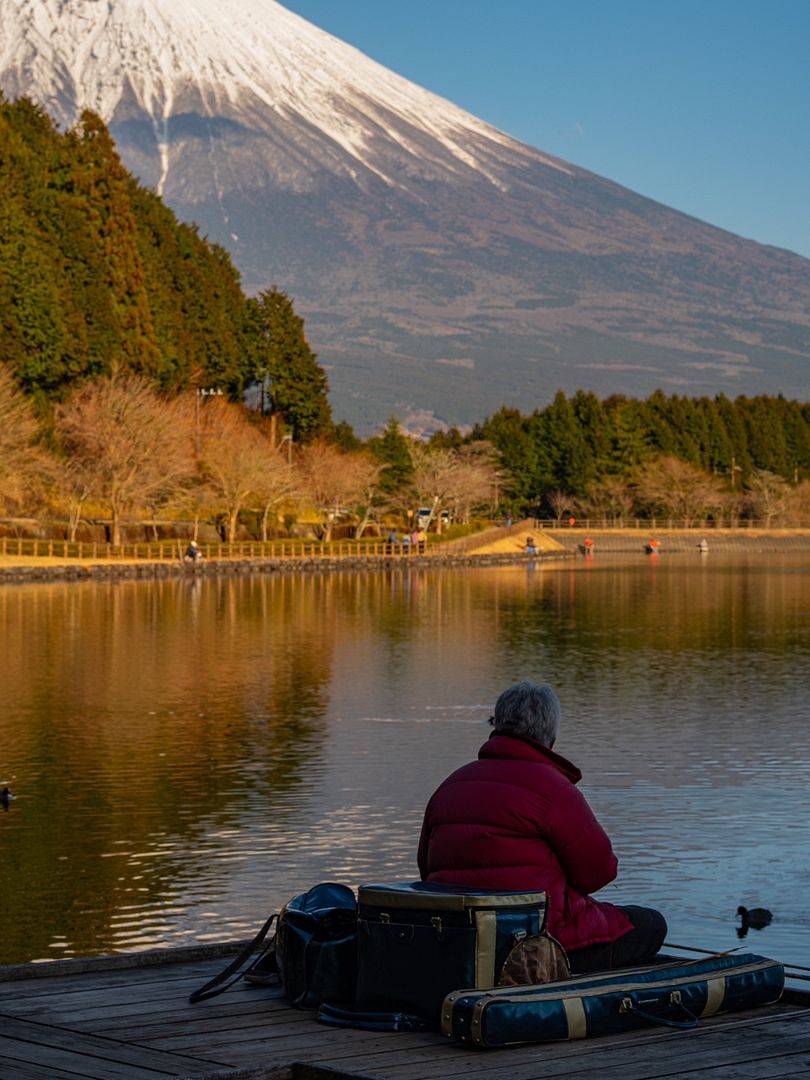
676	993
417	941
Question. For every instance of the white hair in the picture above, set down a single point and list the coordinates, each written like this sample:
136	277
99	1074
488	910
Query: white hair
529	709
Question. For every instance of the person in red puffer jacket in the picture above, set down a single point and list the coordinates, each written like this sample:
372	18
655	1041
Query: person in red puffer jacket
515	820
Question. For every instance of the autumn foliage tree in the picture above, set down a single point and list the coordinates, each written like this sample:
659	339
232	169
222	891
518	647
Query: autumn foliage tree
233	455
22	463
133	446
452	479
675	489
331	481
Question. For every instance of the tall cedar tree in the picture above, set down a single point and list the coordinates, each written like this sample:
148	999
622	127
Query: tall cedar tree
97	275
297	383
392	448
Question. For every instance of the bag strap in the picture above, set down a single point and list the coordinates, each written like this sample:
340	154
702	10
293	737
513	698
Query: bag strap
629	1005
342	1016
229	975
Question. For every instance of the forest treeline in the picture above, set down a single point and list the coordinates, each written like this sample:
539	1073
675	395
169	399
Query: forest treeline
127	345
582	445
98	277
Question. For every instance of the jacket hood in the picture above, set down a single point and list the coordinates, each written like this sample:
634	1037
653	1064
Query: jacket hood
522	748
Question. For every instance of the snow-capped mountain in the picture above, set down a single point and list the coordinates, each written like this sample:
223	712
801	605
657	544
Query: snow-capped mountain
169	59
443	267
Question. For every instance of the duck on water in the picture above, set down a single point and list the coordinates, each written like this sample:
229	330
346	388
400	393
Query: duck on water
752	919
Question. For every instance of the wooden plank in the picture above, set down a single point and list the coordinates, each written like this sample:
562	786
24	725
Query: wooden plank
144	1011
65	981
103	1004
290	1038
729	1041
677	1056
154	1019
154	1029
40	1039
146	961
76	1061
21	1070
104	998
752	1070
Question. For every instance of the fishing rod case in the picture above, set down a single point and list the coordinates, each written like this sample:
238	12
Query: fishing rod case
417	941
675	993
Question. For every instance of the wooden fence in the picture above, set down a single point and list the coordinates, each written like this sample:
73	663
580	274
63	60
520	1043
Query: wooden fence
174	550
302	550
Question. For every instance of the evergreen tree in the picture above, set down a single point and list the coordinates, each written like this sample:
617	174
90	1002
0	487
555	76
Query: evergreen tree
630	438
737	467
392	449
282	357
518	453
345	439
570	461
97	275
716	450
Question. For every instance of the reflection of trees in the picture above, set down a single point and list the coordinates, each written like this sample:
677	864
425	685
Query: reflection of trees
650	608
145	717
133	710
288	693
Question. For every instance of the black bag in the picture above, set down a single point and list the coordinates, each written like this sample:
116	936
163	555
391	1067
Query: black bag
420	940
312	955
676	993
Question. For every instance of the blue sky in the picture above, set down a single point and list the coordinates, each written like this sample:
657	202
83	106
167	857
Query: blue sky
701	104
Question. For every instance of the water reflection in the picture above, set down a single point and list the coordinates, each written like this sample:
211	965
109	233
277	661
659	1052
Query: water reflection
187	754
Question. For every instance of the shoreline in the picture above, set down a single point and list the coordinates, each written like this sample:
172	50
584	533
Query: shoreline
23	569
16	571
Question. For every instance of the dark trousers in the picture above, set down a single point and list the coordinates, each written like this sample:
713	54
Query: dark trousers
635	947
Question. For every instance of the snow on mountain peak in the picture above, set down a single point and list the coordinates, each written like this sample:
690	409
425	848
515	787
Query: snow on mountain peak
102	54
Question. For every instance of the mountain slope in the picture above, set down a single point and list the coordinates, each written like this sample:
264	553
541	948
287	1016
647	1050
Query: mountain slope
443	267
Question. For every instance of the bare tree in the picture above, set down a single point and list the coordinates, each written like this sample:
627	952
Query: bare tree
23	465
798	509
132	445
610	498
768	495
71	489
368	499
435	479
476	477
561	503
235	458
679	490
331	480
276	482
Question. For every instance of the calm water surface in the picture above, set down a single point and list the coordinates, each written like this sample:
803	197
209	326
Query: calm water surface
188	754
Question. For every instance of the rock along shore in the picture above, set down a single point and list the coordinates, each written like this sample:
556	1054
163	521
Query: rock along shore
619	541
114	570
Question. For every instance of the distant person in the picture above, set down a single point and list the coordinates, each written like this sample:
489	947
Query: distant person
193	552
530	546
515	820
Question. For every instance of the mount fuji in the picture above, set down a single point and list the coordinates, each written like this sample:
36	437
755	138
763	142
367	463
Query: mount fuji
443	267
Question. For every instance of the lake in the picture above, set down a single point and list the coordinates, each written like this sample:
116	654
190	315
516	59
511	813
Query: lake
186	754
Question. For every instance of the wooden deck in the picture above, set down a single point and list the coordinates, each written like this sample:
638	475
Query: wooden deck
107	1020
